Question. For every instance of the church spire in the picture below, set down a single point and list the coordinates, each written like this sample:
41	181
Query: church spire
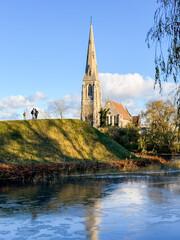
91	90
91	63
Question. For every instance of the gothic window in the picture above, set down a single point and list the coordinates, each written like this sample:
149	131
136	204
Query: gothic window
90	90
110	120
115	120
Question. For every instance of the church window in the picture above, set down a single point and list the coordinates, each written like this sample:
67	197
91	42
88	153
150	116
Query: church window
110	120
89	90
115	120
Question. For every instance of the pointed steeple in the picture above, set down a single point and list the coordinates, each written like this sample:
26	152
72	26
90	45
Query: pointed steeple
91	90
91	63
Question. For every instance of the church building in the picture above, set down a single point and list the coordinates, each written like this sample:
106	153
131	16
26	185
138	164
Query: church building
118	115
91	101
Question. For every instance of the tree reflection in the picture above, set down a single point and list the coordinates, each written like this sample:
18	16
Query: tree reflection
88	194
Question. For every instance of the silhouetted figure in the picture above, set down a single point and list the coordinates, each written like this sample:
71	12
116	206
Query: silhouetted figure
36	113
33	113
24	115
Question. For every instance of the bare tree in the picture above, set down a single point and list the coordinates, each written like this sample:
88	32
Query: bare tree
46	114
60	107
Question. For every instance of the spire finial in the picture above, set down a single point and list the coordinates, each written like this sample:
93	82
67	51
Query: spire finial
91	20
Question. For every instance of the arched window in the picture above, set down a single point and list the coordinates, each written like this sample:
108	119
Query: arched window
90	90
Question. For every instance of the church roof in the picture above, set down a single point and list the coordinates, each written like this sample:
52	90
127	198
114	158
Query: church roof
121	110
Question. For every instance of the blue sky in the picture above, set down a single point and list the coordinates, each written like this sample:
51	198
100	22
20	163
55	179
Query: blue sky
43	47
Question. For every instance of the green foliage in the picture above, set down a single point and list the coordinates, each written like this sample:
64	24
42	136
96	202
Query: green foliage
128	137
162	130
161	135
103	115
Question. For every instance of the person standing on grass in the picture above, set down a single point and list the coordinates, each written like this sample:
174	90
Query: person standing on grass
36	113
33	113
24	115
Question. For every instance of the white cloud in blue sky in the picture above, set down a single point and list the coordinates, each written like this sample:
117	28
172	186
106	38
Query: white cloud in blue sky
44	48
132	90
20	101
12	107
131	86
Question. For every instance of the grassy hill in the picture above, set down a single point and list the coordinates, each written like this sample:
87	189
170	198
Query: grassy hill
54	140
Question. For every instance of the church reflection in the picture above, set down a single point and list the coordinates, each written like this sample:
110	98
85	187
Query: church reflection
88	193
44	198
93	219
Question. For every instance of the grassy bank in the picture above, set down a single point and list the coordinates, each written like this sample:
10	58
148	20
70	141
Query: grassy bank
40	150
55	141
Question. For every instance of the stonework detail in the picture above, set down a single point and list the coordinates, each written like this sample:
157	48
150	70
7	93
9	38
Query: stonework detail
117	115
91	102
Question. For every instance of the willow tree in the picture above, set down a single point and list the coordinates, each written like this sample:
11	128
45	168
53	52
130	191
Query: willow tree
165	34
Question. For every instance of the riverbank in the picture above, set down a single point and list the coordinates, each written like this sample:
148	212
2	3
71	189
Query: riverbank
54	171
45	150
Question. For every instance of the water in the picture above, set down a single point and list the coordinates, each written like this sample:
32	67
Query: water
101	207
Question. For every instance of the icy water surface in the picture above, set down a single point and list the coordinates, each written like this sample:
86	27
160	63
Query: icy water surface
141	207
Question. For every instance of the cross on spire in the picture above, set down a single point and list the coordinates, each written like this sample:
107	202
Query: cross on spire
91	20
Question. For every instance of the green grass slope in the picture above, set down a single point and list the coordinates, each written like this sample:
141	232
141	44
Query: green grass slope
54	140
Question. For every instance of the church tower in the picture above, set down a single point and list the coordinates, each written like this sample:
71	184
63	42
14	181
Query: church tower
91	89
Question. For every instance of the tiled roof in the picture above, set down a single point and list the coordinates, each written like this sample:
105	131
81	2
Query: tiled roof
121	110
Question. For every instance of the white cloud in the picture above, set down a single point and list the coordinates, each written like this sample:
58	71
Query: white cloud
132	90
131	86
11	106
14	102
20	101
38	96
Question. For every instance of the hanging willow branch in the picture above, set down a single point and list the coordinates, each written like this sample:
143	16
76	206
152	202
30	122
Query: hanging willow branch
165	34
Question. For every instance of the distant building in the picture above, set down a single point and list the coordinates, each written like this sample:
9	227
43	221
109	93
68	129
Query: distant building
118	115
91	102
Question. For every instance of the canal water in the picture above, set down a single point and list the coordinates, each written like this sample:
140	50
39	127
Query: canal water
128	207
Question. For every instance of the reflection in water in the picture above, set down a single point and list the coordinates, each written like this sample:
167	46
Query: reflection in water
111	207
93	219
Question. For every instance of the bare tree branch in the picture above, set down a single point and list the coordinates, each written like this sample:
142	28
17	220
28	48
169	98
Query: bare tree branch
46	114
60	107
